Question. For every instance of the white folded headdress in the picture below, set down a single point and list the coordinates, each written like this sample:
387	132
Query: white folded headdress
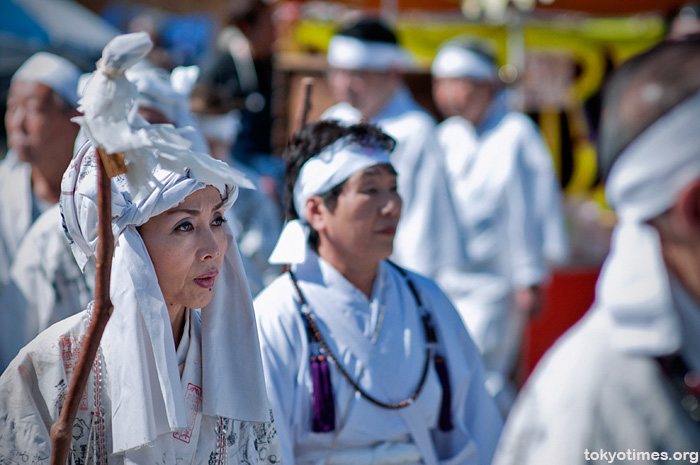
644	182
53	71
156	90
319	175
457	61
346	52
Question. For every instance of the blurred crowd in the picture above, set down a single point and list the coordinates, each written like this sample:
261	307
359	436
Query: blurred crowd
482	214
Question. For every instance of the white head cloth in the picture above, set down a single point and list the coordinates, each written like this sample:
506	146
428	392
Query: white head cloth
644	182
456	61
346	52
320	174
138	346
53	71
156	90
111	120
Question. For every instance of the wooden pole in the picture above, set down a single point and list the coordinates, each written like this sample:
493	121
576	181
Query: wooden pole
62	430
304	108
307	85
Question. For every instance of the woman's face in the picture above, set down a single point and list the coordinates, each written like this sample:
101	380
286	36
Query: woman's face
363	223
187	245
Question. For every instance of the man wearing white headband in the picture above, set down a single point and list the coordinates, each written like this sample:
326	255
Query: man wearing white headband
508	203
178	376
624	380
365	75
466	84
40	103
365	362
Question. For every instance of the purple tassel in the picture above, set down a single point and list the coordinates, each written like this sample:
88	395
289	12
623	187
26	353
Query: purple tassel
445	421
322	400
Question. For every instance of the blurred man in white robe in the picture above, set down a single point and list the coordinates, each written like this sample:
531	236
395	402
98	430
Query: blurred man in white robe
42	100
365	76
624	380
508	204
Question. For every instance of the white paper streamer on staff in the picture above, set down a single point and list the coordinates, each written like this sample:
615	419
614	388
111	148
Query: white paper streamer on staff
111	121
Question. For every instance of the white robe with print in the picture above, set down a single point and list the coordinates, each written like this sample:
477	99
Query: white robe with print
389	370
428	238
33	390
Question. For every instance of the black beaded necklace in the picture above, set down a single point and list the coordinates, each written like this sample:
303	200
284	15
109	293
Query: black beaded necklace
323	421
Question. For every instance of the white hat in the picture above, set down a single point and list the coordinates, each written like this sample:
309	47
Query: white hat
53	71
455	60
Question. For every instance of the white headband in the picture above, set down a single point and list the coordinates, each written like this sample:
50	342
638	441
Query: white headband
320	174
53	71
649	175
455	61
108	109
634	285
350	53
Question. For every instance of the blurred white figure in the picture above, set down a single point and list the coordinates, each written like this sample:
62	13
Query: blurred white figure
508	202
41	101
625	378
366	63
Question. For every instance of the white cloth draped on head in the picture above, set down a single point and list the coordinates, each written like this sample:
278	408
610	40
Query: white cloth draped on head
53	71
644	182
156	90
111	120
138	346
319	175
346	52
457	61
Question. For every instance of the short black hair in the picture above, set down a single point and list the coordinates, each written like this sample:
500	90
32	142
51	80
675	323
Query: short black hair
309	141
370	29
642	90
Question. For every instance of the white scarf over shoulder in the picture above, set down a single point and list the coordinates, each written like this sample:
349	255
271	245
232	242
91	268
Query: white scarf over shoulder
644	182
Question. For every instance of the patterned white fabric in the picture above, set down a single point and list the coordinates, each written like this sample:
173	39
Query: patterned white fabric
33	389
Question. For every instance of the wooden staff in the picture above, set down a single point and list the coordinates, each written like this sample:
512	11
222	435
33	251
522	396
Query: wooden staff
108	166
304	108
307	86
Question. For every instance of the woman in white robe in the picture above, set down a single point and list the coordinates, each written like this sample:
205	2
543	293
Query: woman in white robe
157	392
369	318
178	375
